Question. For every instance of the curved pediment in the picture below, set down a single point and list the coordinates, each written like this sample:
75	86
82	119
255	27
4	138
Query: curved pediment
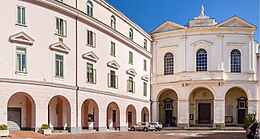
113	64
131	72
90	56
145	78
21	38
59	47
202	42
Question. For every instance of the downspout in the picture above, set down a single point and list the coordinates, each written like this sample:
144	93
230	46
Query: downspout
76	83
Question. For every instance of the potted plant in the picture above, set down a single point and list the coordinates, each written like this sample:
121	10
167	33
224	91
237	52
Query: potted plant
45	130
3	130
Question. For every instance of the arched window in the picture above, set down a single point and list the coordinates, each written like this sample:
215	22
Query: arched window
131	33
113	22
89	8
145	44
235	64
168	64
201	60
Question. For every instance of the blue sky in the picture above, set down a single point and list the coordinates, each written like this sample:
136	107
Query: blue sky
149	14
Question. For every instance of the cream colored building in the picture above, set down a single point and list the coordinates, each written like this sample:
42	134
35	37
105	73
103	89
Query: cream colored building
204	73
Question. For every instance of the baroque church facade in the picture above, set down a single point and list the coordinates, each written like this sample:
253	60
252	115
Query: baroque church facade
204	73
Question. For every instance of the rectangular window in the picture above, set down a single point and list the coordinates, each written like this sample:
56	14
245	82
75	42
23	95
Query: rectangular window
59	62
91	73
113	49
130	61
61	27
130	84
145	89
91	38
112	79
21	60
145	65
20	15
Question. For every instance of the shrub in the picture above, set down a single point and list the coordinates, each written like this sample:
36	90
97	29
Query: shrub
44	126
3	127
249	119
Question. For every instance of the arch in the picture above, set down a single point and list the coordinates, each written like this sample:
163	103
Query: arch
145	115
59	113
201	60
21	106
164	89
89	114
201	106
113	116
113	22
89	8
202	86
242	88
168	107
235	61
130	115
168	63
235	106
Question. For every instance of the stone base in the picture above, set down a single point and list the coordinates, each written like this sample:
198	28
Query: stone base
75	130
123	128
219	125
183	125
102	129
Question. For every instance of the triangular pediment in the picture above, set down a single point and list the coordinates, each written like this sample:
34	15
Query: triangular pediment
60	47
90	56
236	22
202	42
113	64
21	38
145	78
131	72
168	26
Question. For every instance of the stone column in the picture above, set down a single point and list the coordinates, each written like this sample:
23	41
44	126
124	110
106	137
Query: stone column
102	120
219	113
252	105
123	123
155	111
183	113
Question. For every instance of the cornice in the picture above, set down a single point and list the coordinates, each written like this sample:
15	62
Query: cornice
94	22
69	87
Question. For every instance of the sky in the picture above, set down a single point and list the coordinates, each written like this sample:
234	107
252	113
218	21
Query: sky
149	14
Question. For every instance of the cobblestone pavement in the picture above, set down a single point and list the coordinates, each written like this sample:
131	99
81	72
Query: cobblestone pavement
172	134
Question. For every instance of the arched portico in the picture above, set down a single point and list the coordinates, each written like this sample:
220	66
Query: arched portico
130	115
168	105
113	116
236	106
59	113
201	107
145	115
90	115
21	112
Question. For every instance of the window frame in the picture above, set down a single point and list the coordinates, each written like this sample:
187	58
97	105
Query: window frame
89	8
145	89
145	44
130	84
22	14
112	75
130	58
168	63
113	49
60	31
59	75
20	66
92	38
145	65
201	60
131	34
113	22
235	61
93	72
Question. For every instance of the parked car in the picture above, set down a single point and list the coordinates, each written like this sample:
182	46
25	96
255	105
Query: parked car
257	131
143	126
251	130
157	125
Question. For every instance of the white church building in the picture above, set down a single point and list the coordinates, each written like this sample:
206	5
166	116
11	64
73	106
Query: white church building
204	73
